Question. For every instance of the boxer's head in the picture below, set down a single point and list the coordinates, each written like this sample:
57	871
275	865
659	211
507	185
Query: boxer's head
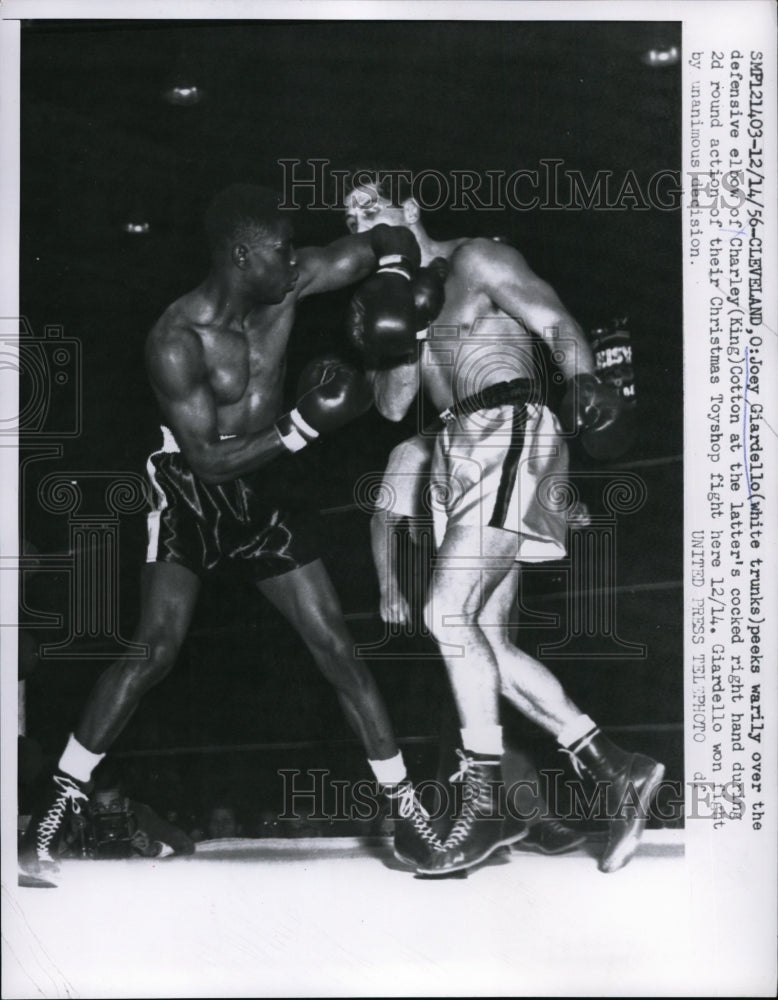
377	196
246	231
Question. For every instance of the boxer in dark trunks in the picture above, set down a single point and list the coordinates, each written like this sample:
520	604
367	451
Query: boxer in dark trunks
216	359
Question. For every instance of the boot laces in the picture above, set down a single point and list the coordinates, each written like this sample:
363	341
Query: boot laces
475	789
575	761
69	793
411	808
573	753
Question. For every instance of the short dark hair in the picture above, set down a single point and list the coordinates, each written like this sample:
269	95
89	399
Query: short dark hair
240	212
393	183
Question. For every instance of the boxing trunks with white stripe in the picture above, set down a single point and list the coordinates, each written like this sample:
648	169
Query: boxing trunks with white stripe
247	523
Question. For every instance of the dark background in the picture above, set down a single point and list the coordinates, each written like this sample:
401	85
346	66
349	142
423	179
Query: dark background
100	146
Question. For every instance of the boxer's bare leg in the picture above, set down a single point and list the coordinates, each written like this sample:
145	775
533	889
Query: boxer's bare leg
469	608
168	596
307	599
466	605
457	591
525	681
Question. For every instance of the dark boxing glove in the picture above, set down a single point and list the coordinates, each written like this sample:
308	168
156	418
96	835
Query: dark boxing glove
594	409
382	314
331	393
612	349
428	293
396	250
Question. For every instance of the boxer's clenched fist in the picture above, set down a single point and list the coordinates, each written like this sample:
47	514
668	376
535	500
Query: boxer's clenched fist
331	393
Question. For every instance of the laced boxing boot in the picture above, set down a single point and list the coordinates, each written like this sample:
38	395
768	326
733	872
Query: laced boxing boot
414	838
479	828
630	780
65	798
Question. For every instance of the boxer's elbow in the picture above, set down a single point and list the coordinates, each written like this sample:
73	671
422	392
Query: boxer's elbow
391	404
390	410
395	389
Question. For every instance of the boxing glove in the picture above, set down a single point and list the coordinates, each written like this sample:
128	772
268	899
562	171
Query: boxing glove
612	349
594	409
396	249
331	393
428	293
382	315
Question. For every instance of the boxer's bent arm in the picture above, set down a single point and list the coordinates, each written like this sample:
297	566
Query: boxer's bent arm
394	389
502	273
178	376
325	269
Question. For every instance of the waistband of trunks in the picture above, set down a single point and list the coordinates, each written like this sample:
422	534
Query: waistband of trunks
518	391
170	445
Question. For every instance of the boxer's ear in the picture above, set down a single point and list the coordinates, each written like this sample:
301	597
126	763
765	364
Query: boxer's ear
239	255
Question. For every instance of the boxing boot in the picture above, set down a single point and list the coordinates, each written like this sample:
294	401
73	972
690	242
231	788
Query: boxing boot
414	838
630	780
479	828
64	799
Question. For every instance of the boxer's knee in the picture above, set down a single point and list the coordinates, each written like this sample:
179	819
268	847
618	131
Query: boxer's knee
445	612
437	610
354	681
145	672
336	659
330	645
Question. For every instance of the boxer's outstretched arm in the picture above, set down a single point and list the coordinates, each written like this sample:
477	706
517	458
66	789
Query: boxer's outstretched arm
344	262
177	371
503	274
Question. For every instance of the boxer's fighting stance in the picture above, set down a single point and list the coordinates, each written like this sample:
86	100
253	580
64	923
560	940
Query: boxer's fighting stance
497	442
216	360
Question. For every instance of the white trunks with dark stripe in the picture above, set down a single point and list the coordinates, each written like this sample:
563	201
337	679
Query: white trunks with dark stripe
496	467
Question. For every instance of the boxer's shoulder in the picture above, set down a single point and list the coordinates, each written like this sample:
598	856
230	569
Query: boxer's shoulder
481	251
174	350
483	264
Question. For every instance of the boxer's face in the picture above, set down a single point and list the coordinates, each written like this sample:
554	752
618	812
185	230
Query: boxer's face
366	208
270	262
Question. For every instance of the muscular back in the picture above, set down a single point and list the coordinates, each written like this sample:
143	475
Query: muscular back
473	342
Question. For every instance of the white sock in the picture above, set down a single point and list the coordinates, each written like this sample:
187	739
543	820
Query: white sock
483	739
390	771
576	729
77	761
